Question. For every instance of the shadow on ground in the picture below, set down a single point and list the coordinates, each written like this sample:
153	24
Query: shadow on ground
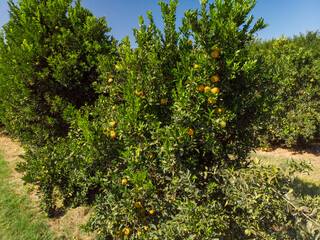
306	188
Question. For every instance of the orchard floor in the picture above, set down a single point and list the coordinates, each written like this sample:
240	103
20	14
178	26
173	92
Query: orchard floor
66	224
307	183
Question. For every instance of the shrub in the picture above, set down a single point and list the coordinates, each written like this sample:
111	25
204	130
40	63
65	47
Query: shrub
48	60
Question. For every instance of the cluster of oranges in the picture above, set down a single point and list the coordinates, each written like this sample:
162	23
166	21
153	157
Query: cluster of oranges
214	54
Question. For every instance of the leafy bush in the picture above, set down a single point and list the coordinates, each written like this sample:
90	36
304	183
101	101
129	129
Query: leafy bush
291	69
48	60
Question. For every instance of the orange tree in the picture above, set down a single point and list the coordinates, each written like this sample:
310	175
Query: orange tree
48	60
163	151
291	70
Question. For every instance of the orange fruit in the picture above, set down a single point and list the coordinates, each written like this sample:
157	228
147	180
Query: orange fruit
195	66
151	211
309	76
212	101
113	134
138	204
127	231
217	49
207	89
214	54
214	90
139	93
189	41
146	228
113	107
139	233
219	110
200	88
124	181
190	132
215	78
110	80
163	101
312	80
113	123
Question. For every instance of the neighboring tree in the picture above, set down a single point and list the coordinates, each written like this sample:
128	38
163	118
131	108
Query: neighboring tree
290	69
48	60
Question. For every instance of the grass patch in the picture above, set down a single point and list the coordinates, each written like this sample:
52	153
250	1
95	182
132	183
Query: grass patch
18	221
305	184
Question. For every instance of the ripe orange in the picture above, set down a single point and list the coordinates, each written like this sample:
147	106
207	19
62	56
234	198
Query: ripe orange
212	101
127	231
214	90
113	134
113	123
138	204
110	80
200	88
189	41
207	89
139	93
139	233
195	66
215	78
214	54
163	101
124	181
190	132
146	228
151	211
219	110
217	49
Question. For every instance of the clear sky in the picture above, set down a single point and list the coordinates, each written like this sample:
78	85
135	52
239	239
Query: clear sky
288	17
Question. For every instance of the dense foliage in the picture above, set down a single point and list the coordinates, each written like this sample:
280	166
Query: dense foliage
291	69
48	60
158	137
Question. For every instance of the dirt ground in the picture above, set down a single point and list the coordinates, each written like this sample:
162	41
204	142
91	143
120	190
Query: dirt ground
65	225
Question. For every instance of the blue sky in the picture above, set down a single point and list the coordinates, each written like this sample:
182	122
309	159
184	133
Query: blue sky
288	17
